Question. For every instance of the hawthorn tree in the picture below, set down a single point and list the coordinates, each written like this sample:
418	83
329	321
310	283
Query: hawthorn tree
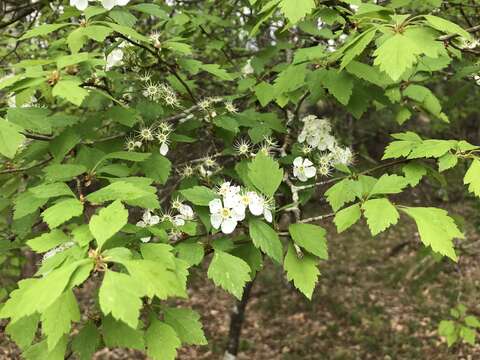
143	139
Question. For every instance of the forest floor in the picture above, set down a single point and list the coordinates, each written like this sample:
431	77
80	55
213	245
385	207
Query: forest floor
377	298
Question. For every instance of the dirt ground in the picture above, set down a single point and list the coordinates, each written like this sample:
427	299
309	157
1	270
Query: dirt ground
377	298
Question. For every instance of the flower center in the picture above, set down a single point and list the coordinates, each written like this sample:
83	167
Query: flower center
225	212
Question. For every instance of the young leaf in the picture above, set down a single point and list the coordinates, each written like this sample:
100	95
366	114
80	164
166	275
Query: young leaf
61	212
108	222
120	295
187	325
10	138
265	238
341	193
311	238
162	341
472	177
446	26
257	169
303	272
347	217
296	10
396	55
47	241
436	229
57	318
380	214
389	184
199	195
85	343
229	272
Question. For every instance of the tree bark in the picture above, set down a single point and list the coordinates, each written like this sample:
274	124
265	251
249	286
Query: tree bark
237	318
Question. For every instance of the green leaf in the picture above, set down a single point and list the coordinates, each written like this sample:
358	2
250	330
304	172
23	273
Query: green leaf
265	238
10	138
341	193
426	99
71	91
118	334
47	241
303	272
187	325
294	11
199	195
229	272
39	351
191	252
472	321
162	341
472	177
216	70
380	214
127	31
345	218
447	329
257	169
108	222
447	161
389	184
86	341
311	238
357	46
157	167
436	229
413	173
120	295
432	148
61	212
41	30
396	55
339	84
132	193
446	26
58	317
264	93
23	331
63	172
46	191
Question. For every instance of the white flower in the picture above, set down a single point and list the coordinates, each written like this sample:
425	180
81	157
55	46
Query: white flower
342	156
354	7
114	58
303	169
230	107
256	204
224	217
186	212
79	4
148	220
162	137
247	68
109	4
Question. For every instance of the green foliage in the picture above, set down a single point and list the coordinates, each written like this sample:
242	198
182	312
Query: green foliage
266	239
122	125
229	272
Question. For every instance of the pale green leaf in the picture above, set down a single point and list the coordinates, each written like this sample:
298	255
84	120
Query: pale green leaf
257	169
341	193
10	138
472	177
162	341
303	272
345	218
380	214
389	184
199	195
61	212
187	325
310	237
108	222
265	238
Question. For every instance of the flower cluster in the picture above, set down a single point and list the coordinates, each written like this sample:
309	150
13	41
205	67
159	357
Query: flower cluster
185	213
159	132
155	91
316	137
225	213
107	4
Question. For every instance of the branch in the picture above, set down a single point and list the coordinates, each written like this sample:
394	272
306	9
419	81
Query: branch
452	36
12	171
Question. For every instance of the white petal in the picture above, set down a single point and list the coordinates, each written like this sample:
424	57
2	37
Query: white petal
215	220
163	149
231	200
154	220
310	172
298	161
215	206
229	225
256	207
178	221
267	214
239	213
79	4
108	4
141	224
295	172
122	2
186	211
145	239
302	177
307	162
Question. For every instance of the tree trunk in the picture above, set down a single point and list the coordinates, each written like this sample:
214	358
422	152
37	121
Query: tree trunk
236	322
